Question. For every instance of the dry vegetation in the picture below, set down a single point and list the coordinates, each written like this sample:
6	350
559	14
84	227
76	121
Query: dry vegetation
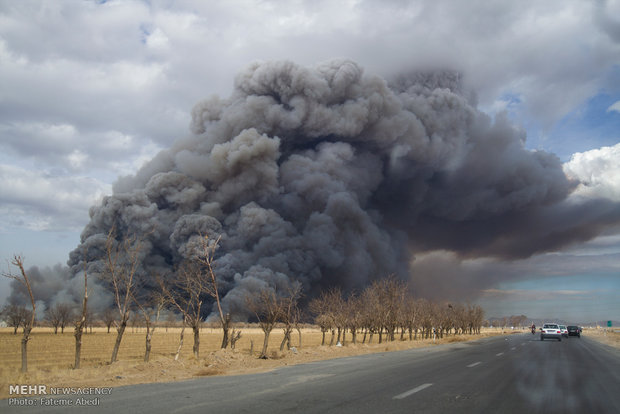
51	356
609	337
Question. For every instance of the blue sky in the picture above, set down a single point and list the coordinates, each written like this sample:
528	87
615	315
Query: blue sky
91	90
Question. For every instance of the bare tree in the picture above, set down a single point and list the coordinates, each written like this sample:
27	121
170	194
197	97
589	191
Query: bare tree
108	318
59	315
354	315
15	316
391	294
22	278
51	315
121	272
234	337
371	309
150	306
328	309
266	306
184	292
208	248
319	308
81	322
289	313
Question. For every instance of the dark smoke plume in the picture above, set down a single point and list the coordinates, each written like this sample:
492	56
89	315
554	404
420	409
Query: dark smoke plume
328	176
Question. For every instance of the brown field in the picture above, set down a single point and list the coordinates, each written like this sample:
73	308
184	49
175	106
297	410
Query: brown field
50	356
607	336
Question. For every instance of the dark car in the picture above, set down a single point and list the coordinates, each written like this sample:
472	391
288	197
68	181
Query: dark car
574	331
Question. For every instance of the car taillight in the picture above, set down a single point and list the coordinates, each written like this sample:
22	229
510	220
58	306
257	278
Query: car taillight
559	331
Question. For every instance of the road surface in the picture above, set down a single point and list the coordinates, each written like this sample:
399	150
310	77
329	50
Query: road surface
513	374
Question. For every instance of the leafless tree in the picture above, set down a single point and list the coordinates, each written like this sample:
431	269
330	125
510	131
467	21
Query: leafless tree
22	278
266	306
477	318
234	337
391	294
107	317
370	313
150	306
297	320
15	316
206	258
184	292
59	315
289	312
51	315
319	308
354	318
337	310
81	322
330	314
121	273
517	320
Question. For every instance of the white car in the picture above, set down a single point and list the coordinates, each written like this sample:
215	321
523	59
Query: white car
550	330
564	330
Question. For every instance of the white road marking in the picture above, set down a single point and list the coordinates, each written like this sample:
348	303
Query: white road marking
523	344
474	364
513	348
500	354
410	392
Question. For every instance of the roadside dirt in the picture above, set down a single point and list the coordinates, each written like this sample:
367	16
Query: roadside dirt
609	337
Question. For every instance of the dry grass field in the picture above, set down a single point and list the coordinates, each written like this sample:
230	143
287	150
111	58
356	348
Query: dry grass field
607	336
50	356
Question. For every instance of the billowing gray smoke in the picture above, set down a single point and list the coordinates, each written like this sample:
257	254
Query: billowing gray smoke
328	176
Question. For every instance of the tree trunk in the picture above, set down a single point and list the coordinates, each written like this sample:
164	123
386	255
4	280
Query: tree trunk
78	344
147	351
263	354
55	329
323	340
176	357
25	339
119	337
287	339
299	333
196	348
225	328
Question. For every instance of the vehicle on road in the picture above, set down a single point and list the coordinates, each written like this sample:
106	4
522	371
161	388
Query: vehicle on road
550	330
574	331
564	330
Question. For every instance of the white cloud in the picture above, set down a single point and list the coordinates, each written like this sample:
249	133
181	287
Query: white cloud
598	172
614	107
39	200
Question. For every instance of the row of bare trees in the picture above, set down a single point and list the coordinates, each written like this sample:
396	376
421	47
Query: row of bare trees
385	308
382	309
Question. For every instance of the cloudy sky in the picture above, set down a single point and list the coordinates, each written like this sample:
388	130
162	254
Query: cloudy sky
90	90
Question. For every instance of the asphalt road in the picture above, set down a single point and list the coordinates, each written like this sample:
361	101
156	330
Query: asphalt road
515	374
